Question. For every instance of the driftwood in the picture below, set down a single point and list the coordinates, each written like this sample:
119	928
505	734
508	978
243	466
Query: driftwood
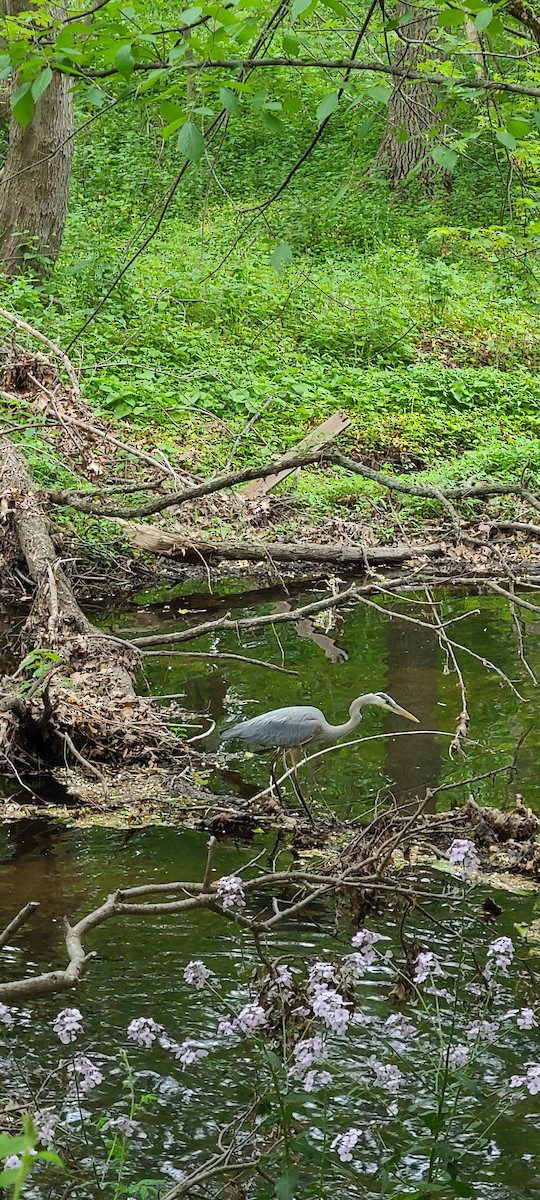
175	545
330	429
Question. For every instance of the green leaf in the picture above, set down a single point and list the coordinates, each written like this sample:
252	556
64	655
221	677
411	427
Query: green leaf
41	83
230	101
95	96
22	104
291	46
287	1184
189	15
170	111
172	127
444	157
272	122
380	92
191	142
336	7
7	1178
281	256
484	18
451	16
506	139
302	8
517	126
327	106
124	60
12	1145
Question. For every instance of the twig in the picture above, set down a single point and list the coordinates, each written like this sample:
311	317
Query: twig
45	341
22	916
243	658
86	764
463	721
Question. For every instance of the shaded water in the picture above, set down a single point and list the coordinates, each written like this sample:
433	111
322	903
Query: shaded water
362	650
138	969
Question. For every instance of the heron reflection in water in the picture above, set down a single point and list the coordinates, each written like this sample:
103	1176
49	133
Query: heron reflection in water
288	730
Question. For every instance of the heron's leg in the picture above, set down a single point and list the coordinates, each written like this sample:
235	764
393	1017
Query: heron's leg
295	754
275	782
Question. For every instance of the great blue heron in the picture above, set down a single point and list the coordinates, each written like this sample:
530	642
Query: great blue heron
288	729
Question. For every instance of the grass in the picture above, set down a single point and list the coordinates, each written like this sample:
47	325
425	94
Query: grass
434	356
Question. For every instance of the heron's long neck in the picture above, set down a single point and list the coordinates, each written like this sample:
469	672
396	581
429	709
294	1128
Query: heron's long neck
333	732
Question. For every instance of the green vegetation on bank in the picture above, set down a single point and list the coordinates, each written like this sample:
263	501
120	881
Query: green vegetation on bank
417	314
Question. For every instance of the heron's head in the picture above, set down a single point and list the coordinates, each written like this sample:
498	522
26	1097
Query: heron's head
382	700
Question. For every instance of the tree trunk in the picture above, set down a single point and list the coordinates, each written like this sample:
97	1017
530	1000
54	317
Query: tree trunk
411	109
34	187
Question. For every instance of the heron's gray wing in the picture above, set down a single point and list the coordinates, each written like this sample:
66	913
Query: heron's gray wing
283	727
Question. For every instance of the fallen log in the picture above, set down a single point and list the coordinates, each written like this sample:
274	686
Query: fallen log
173	545
73	695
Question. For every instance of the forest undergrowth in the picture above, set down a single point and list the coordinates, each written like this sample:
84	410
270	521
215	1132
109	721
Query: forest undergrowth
414	313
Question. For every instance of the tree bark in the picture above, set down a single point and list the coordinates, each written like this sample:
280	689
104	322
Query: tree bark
411	109
76	699
34	186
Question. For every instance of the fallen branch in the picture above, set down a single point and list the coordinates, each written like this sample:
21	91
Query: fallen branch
323	457
222	623
160	541
22	917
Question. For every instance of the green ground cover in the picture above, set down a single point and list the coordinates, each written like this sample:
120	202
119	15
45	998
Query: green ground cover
393	307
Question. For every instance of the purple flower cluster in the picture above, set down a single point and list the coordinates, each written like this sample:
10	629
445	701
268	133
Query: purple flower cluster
426	964
398	1028
125	1126
345	1143
87	1075
197	974
502	952
308	1054
249	1020
144	1031
188	1052
230	890
280	983
458	1057
68	1025
325	1001
45	1122
530	1081
329	1005
386	1075
482	1030
462	855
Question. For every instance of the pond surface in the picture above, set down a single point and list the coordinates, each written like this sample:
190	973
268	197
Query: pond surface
337	657
139	964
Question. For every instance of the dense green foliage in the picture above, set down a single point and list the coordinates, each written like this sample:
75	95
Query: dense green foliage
416	312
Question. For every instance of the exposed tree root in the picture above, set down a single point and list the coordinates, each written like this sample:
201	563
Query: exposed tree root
75	695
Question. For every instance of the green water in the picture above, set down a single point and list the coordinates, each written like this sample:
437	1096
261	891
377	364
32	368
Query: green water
363	651
138	965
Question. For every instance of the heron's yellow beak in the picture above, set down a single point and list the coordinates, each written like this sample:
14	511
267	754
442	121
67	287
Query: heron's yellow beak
402	712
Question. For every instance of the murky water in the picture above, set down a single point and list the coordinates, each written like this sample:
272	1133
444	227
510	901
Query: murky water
138	968
338	657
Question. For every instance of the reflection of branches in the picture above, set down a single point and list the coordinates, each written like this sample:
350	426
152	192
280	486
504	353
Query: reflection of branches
152	900
463	721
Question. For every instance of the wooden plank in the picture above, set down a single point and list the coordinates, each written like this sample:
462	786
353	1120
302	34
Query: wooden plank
330	429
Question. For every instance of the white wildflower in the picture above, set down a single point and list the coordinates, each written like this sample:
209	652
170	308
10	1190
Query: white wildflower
230	890
426	964
462	855
197	974
144	1031
345	1143
68	1025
